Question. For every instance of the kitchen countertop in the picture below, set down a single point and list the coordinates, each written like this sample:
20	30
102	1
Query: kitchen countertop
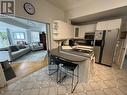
69	54
85	63
80	52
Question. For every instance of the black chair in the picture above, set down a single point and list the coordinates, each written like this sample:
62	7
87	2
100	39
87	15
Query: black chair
68	67
53	64
69	70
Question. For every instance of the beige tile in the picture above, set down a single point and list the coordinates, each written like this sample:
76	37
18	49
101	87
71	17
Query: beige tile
70	94
122	82
27	85
102	83
53	84
79	88
87	87
110	83
25	92
79	93
123	89
108	72
44	84
12	86
96	78
53	91
117	91
121	76
12	93
91	93
61	90
34	92
95	85
108	91
107	77
44	91
99	92
37	85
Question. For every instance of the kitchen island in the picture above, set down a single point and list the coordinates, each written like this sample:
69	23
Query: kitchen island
85	63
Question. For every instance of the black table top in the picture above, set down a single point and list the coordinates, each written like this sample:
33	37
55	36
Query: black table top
68	55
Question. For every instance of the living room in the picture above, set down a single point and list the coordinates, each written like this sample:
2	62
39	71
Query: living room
23	44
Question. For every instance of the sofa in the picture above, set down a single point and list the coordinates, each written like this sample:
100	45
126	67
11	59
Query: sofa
36	46
16	51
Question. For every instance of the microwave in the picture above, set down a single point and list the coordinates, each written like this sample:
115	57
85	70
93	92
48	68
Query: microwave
89	36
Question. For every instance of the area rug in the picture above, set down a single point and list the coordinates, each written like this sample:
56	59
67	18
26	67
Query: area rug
31	57
23	69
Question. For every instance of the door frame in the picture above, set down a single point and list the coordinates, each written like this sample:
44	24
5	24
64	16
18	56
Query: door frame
48	36
124	53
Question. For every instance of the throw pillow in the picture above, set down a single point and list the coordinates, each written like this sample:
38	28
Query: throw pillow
22	46
14	48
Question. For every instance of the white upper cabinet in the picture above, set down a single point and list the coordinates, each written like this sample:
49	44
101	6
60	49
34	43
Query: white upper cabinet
62	30
109	24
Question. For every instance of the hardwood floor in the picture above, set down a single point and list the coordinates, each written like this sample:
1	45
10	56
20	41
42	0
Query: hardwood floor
26	68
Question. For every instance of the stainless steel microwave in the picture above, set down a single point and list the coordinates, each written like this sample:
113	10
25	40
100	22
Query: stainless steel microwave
89	35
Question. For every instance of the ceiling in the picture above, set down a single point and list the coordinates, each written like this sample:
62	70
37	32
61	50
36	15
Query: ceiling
93	18
4	26
22	23
69	4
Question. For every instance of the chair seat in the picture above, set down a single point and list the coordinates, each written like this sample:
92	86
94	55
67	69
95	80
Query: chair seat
68	65
55	60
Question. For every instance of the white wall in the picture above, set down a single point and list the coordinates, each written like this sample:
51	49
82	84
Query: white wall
45	12
87	28
95	6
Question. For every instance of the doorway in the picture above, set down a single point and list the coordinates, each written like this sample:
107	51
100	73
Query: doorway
124	66
28	41
120	54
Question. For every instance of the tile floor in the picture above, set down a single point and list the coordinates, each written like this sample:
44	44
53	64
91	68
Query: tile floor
105	81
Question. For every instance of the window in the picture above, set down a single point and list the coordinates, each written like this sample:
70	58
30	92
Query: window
19	35
35	37
4	40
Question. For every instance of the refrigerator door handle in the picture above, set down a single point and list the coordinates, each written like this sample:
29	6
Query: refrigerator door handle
102	44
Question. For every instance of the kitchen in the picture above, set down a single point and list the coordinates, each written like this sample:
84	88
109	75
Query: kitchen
97	43
98	35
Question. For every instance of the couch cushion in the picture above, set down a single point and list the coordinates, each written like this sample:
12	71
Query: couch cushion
22	46
14	48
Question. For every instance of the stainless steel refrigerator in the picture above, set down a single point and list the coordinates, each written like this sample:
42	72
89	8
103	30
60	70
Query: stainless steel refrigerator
105	44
